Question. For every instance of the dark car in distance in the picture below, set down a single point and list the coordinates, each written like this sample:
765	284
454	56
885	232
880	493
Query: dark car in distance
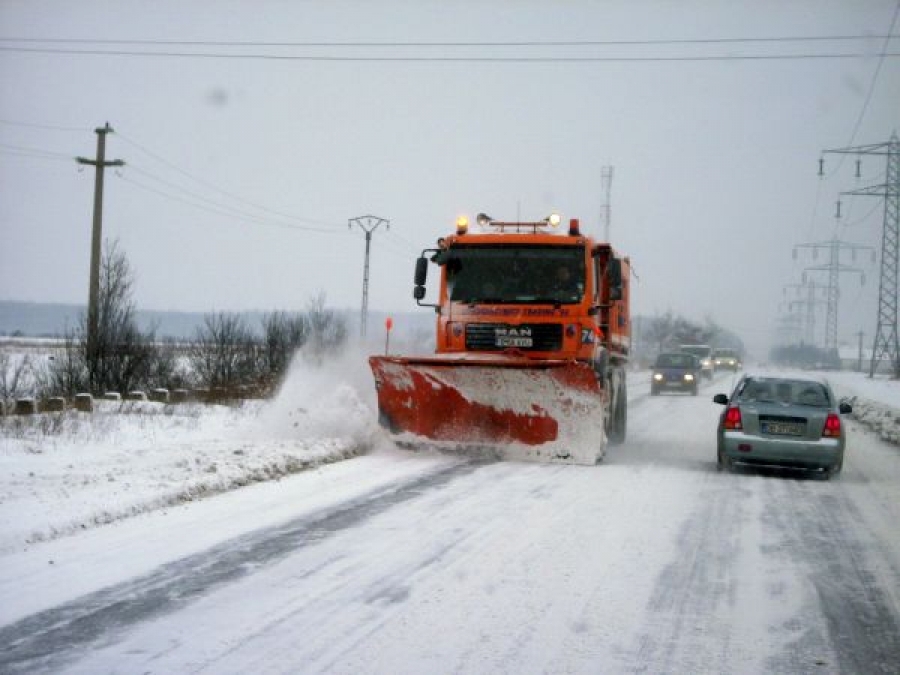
785	421
727	359
675	371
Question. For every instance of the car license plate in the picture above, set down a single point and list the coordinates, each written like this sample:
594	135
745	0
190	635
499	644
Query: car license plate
507	341
783	428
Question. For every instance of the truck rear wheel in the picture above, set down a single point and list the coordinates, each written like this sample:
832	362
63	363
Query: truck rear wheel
619	417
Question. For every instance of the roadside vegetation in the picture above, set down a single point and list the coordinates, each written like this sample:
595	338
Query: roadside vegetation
228	357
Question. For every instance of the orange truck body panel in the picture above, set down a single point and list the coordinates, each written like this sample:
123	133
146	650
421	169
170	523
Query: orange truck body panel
507	371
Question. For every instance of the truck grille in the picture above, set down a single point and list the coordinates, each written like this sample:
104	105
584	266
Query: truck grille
538	337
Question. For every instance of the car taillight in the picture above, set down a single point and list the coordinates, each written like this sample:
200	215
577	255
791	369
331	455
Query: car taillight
832	426
733	419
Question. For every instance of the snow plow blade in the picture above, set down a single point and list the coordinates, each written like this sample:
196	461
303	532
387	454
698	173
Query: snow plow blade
518	407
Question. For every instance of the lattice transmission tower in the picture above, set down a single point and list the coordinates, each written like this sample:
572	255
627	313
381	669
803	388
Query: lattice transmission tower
834	268
886	344
808	296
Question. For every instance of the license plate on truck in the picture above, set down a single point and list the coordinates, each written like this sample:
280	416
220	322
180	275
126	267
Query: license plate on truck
507	341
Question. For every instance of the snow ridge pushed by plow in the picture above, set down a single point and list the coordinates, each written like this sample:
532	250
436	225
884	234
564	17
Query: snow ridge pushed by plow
67	472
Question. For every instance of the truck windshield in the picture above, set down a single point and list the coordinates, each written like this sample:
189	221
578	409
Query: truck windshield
515	274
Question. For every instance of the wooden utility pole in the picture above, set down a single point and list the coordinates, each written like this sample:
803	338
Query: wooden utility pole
97	235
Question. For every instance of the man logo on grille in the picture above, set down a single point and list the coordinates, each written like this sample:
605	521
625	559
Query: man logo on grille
512	331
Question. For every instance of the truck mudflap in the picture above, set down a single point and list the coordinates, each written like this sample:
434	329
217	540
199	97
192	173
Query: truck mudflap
547	409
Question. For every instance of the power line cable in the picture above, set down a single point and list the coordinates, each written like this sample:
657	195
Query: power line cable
406	242
222	212
45	126
420	44
884	47
31	155
218	205
451	59
218	189
37	151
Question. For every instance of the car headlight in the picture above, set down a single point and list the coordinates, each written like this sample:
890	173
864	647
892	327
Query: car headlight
657	376
688	377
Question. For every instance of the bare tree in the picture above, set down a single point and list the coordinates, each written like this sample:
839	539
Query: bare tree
283	334
668	331
17	377
223	353
120	357
327	331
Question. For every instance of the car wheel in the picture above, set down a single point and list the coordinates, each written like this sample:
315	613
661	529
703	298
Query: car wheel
654	391
695	390
835	469
723	462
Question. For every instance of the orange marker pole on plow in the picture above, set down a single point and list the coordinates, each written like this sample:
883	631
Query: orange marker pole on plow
388	324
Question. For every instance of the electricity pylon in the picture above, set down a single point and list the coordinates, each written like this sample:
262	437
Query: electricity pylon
367	224
834	268
807	306
886	342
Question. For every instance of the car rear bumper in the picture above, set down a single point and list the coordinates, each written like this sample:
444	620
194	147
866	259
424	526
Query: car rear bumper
676	385
782	451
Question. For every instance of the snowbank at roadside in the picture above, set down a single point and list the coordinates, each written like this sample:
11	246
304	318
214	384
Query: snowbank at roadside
65	472
875	401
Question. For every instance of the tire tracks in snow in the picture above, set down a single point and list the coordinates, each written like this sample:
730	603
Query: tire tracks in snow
846	566
683	606
45	641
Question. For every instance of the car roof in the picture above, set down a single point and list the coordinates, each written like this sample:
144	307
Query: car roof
802	376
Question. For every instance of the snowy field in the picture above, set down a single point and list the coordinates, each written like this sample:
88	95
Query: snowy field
65	473
290	536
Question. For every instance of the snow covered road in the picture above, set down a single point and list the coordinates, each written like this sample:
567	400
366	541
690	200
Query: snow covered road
397	563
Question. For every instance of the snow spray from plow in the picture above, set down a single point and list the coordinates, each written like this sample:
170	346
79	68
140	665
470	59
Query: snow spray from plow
517	408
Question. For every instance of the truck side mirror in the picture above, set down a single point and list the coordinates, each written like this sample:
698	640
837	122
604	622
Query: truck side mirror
419	292
421	271
614	276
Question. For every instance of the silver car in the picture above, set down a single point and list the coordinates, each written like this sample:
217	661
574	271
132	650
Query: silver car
782	421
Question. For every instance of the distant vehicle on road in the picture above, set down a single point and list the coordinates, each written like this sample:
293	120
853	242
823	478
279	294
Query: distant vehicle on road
726	359
782	421
704	355
675	371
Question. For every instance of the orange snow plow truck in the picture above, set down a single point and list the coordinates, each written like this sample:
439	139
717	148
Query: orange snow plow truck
533	335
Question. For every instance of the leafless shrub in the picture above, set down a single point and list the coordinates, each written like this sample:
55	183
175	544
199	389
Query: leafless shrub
283	335
224	351
327	330
119	357
20	377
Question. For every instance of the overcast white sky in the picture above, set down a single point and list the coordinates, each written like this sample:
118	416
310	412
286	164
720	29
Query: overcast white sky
715	159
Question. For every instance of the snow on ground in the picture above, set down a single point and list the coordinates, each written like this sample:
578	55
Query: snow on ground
66	472
875	401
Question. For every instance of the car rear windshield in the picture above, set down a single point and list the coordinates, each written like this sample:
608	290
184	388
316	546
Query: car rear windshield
675	361
793	392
